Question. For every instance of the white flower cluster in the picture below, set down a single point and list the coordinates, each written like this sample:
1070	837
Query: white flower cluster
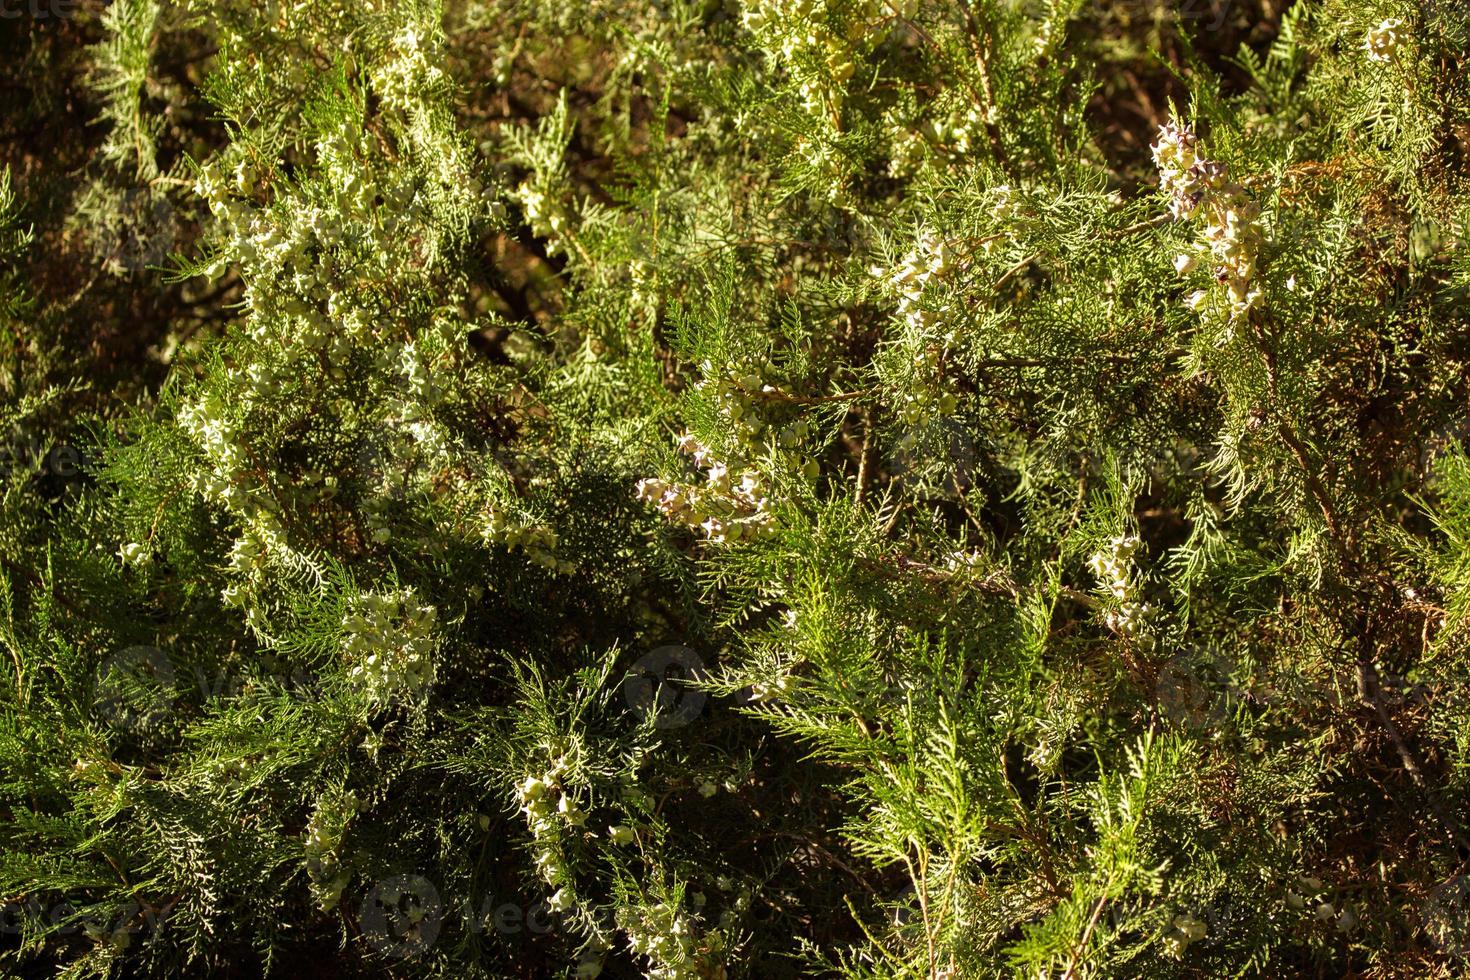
1382	42
417	380
299	306
780	16
771	690
208	422
537	541
295	257
278	256
1114	569
388	641
1232	236
227	483
324	832
964	561
1005	203
1323	909
670	941
1184	930
930	259
1181	175
920	404
412	70
248	557
907	148
799	33
734	390
734	504
551	812
963	129
544	212
725	509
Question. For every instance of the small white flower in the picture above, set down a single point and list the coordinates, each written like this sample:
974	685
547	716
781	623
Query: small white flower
1382	42
1192	928
620	833
1186	930
568	808
548	864
1184	264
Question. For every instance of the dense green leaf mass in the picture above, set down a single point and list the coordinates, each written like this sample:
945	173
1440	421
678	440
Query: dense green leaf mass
735	488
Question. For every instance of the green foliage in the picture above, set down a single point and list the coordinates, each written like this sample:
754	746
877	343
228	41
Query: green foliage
512	489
